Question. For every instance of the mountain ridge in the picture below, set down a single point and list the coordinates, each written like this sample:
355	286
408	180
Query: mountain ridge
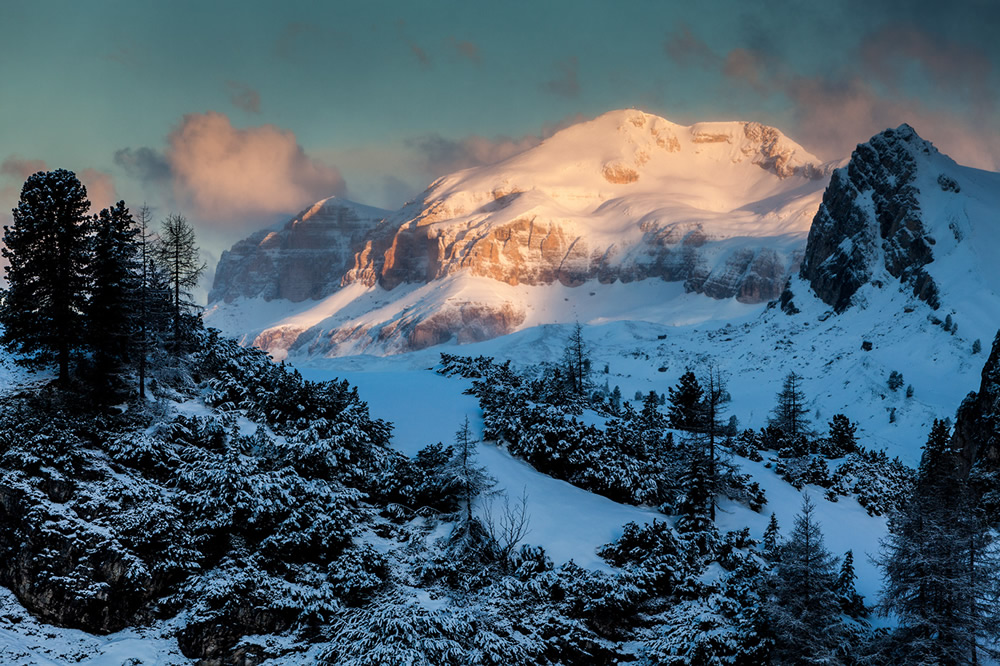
722	208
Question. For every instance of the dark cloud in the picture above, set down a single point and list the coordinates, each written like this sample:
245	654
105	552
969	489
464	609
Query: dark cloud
145	164
889	73
949	65
243	96
466	49
566	83
441	155
686	48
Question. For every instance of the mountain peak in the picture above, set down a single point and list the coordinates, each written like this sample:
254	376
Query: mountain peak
899	212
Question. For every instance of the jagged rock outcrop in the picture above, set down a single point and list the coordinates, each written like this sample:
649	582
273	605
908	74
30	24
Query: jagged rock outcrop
304	259
870	222
977	425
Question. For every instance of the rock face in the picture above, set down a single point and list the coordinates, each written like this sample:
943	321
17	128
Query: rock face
303	259
871	223
977	426
722	208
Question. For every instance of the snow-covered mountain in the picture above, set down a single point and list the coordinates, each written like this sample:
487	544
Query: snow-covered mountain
901	213
720	209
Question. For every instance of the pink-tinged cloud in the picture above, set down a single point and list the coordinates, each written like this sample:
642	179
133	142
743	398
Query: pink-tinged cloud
835	116
466	49
100	188
420	55
20	168
747	65
223	174
833	111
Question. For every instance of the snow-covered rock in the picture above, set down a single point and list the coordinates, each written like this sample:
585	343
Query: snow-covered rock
901	213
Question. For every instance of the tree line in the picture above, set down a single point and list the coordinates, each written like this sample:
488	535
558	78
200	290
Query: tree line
94	295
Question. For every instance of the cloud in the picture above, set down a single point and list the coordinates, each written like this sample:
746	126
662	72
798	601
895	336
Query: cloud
747	65
420	55
466	49
396	191
685	48
243	96
225	174
20	168
950	65
100	188
895	72
440	155
145	164
567	82
229	178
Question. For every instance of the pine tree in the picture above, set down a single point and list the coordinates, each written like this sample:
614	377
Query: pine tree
144	217
790	413
772	539
895	381
686	411
842	438
695	504
47	278
852	603
804	610
939	569
177	254
471	478
576	361
113	312
715	397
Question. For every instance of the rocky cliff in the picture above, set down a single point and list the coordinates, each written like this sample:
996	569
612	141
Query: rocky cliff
977	426
870	225
303	259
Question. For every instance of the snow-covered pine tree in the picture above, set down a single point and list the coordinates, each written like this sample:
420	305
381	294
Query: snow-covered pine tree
771	542
842	438
471	478
112	312
686	411
695	504
804	610
47	278
852	603
939	568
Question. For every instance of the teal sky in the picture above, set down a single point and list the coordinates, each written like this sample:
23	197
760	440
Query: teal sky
236	113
